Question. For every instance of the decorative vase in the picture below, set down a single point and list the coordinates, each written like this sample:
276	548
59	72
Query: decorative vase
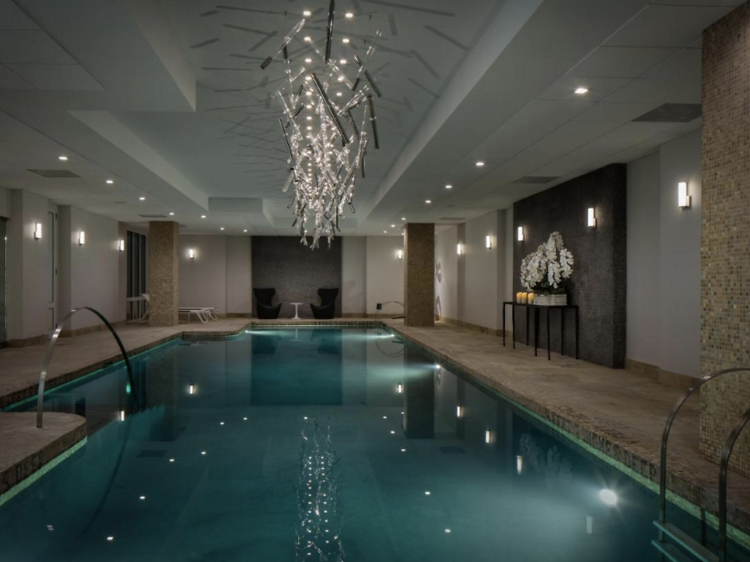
551	300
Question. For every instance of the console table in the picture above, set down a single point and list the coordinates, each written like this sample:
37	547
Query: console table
535	308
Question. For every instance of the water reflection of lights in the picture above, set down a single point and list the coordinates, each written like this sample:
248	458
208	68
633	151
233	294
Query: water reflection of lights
608	497
121	415
191	389
519	464
459	411
488	436
399	388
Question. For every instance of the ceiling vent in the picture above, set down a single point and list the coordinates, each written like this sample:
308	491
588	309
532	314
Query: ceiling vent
671	113
153	216
537	179
54	173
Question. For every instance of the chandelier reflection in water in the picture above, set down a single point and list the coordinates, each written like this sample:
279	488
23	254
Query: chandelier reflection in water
321	110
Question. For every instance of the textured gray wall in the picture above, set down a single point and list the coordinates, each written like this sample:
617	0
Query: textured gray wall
598	283
295	271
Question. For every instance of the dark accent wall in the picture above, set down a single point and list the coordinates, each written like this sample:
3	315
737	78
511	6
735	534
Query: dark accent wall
296	271
599	273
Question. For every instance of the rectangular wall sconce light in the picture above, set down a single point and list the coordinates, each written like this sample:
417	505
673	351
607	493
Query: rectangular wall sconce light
460	249
683	199
520	234
400	254
81	238
488	436
488	242
591	218
191	253
121	415
459	412
121	245
38	231
191	389
519	464
400	388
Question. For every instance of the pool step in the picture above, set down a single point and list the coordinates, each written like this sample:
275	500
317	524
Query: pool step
692	546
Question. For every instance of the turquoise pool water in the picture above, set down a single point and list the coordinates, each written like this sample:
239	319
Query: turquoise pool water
318	444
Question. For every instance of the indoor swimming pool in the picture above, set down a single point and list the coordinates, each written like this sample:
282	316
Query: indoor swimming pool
319	444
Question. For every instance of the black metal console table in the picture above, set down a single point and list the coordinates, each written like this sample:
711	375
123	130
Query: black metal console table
536	308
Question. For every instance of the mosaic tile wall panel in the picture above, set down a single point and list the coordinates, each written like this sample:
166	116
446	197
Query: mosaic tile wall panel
725	245
598	282
296	271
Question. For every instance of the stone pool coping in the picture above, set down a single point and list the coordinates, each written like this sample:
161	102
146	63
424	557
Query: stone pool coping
605	439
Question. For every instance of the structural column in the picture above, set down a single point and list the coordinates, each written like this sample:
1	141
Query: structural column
419	274
163	273
725	237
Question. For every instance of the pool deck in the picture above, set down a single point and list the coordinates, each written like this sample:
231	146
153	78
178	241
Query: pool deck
615	412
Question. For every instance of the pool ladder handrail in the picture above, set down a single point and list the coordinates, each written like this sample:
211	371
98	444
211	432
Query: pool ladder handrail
695	548
51	348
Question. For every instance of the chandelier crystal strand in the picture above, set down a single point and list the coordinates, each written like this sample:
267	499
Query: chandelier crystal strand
325	157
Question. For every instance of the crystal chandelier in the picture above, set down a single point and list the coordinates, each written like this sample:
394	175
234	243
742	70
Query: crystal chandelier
328	151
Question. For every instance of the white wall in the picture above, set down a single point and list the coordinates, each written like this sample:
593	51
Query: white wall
90	273
4	202
239	275
664	258
385	274
481	282
354	275
203	280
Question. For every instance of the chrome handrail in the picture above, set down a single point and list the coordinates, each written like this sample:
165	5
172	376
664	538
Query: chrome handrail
51	348
723	474
665	437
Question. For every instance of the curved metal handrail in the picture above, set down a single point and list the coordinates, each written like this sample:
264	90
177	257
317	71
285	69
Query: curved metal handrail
723	474
51	348
665	435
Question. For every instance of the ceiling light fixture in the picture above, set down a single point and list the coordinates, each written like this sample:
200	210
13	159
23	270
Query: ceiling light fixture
171	214
403	218
222	228
449	186
203	216
308	61
428	201
349	15
307	13
110	182
581	90
62	158
345	40
480	164
337	152
141	198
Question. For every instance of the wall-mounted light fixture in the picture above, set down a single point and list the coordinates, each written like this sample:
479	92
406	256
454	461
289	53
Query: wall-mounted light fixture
488	242
488	436
591	218
460	249
400	254
121	245
38	231
519	464
191	389
400	388
121	415
459	412
191	253
520	234
683	199
81	238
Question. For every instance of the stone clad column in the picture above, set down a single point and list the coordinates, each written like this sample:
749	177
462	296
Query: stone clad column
163	273
725	242
419	275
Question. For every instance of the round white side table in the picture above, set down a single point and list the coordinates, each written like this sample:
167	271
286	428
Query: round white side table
296	310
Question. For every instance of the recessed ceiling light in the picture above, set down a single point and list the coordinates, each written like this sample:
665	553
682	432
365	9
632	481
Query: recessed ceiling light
308	78
308	93
345	40
349	15
449	186
309	128
222	228
245	231
63	158
307	13
386	232
403	218
393	226
341	78
427	201
480	164
581	90
309	117
171	214
203	216
307	38
141	198
110	182
342	61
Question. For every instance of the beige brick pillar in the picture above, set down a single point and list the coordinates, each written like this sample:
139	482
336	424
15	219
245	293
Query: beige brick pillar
419	274
725	244
163	273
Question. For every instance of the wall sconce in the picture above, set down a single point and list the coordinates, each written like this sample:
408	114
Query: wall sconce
591	218
683	199
81	238
121	245
488	242
191	253
519	464
38	231
400	388
460	249
520	234
400	254
121	415
191	389
459	412
488	436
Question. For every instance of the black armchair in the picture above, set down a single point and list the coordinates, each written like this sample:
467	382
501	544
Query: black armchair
327	307
263	300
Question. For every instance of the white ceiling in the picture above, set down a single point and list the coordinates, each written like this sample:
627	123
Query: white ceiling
167	98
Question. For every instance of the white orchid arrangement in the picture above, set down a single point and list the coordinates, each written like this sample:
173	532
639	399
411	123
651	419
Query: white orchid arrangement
546	269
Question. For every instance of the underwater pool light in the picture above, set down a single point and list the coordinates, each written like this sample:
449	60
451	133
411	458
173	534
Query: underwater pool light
608	497
488	436
459	411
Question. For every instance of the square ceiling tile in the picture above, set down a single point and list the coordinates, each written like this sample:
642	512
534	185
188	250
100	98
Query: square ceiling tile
29	46
667	26
621	62
56	76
